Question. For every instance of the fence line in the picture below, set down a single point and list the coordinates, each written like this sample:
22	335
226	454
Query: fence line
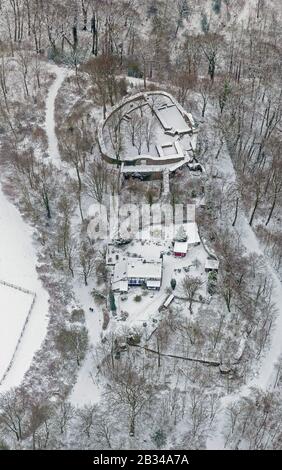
22	289
208	362
26	291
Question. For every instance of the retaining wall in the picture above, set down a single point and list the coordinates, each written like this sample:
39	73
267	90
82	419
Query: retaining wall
150	160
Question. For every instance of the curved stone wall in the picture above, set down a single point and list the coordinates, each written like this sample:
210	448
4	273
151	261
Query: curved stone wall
150	160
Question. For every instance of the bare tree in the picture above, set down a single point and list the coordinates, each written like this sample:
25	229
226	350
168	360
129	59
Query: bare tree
115	133
102	71
210	46
131	391
75	145
149	130
65	415
24	62
87	261
87	419
14	413
190	287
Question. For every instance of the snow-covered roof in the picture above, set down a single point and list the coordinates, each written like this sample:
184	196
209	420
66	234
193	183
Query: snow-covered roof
180	247
121	286
168	300
120	271
192	233
153	284
175	150
212	264
172	118
141	269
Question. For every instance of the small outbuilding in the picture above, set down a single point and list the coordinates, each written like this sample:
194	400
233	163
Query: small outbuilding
180	249
212	264
168	301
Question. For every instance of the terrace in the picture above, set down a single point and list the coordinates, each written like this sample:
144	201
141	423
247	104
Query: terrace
148	132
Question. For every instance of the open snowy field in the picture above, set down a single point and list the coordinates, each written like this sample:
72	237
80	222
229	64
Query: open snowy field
18	267
14	308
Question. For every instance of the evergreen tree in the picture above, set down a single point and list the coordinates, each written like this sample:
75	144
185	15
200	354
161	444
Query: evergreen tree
112	302
159	438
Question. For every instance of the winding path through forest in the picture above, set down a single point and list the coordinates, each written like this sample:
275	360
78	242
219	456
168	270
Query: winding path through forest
86	389
18	255
266	375
50	122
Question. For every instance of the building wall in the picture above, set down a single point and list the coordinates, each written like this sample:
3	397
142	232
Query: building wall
136	280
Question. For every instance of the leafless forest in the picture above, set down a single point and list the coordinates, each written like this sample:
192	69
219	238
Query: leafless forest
197	381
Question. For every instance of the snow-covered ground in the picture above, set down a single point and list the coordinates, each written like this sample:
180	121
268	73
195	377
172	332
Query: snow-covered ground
265	378
248	11
18	266
159	144
86	389
18	261
50	126
14	309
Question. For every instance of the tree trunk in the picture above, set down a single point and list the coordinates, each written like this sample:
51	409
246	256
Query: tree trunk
272	209
236	212
254	211
132	426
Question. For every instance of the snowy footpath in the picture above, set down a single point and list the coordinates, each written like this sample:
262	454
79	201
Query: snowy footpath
18	261
50	123
86	391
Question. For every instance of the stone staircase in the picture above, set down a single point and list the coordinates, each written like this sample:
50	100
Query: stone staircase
166	181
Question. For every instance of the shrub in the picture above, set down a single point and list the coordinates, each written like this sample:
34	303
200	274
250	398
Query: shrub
73	342
159	438
204	23
212	281
99	297
137	298
122	87
212	276
133	70
77	315
112	302
216	6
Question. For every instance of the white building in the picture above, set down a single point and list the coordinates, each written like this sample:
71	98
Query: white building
141	271
137	272
211	265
